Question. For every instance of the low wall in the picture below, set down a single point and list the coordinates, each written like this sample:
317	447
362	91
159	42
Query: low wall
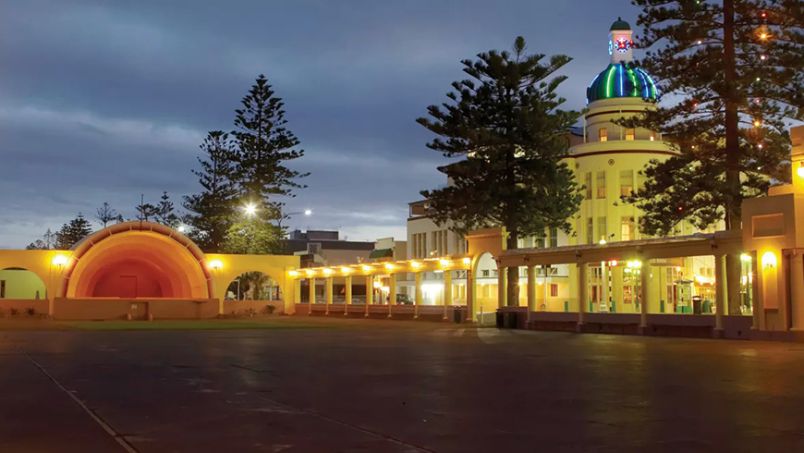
257	307
400	312
23	307
103	309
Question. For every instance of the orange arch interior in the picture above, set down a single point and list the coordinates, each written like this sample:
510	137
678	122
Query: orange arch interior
138	264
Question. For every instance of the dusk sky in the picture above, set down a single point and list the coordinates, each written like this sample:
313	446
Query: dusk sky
105	100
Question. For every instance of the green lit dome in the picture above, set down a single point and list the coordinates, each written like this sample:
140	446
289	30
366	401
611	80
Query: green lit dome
620	24
622	80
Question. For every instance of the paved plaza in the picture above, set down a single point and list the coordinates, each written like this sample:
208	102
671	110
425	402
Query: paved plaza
310	385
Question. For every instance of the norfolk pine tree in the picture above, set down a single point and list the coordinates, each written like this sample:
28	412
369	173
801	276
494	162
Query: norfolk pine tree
505	123
211	212
734	69
263	146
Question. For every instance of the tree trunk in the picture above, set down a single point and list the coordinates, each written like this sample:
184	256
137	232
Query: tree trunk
512	242
734	192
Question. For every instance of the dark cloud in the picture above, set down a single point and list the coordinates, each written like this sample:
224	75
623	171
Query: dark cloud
105	100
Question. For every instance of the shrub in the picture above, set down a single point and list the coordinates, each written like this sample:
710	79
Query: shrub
14	312
31	311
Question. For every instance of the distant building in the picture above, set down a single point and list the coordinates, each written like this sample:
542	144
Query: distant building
388	249
325	248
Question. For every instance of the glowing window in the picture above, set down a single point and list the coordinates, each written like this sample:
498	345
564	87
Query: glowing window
601	184
630	134
603	134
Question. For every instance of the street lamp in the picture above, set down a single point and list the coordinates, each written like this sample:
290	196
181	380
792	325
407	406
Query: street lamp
306	213
250	209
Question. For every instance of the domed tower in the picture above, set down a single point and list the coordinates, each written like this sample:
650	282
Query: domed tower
609	160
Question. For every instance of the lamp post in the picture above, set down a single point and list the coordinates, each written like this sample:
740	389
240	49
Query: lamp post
306	213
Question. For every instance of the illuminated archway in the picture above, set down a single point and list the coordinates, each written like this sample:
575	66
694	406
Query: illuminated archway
21	283
484	293
254	285
137	260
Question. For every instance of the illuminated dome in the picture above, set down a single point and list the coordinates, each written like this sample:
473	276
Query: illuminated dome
621	80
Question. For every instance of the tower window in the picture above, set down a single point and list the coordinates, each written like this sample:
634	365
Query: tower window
601	184
603	134
626	183
630	134
601	228
627	229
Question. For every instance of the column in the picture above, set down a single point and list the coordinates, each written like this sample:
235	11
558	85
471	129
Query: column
391	293
417	279
720	293
369	292
347	294
583	297
644	283
297	291
328	293
470	296
447	291
531	290
502	287
312	293
758	300
797	290
733	274
604	275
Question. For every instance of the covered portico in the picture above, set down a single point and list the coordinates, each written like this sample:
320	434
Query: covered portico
645	260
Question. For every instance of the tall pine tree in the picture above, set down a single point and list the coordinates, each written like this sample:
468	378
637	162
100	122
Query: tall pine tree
263	147
166	212
506	124
734	69
211	213
72	232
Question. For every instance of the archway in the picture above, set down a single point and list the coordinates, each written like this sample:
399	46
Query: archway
21	284
254	285
137	260
485	288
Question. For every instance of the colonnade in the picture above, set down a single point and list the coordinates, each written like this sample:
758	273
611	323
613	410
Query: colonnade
373	272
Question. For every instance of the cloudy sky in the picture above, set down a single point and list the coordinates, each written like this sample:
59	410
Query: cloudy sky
107	100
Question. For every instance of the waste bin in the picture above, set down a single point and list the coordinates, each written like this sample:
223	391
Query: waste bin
500	319
696	305
511	319
457	315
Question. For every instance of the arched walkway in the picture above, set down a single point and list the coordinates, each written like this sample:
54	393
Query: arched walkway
137	260
254	285
21	283
484	270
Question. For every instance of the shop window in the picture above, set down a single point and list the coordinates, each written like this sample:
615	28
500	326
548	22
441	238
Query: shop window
603	134
626	183
601	184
